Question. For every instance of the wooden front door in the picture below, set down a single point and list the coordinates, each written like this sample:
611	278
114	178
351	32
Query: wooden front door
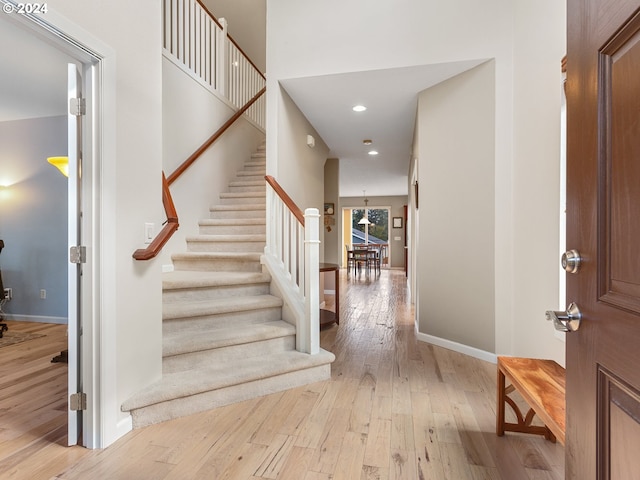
603	224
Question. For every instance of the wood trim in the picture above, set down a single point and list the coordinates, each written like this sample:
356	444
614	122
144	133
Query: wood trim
170	226
291	205
204	7
195	155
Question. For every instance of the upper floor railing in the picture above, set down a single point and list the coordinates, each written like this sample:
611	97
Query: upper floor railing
198	42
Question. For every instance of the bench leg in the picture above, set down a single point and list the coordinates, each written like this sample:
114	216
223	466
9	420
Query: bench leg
500	404
524	422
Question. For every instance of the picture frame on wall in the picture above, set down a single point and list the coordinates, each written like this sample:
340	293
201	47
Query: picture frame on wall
397	222
329	208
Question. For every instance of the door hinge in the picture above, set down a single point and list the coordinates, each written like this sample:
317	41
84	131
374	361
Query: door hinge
78	254
77	106
78	401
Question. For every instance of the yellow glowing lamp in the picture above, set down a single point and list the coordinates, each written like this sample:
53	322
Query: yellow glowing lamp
61	163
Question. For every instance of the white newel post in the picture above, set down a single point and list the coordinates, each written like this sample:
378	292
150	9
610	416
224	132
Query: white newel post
310	334
221	58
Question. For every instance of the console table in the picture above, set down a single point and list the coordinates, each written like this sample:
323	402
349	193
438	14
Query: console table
327	316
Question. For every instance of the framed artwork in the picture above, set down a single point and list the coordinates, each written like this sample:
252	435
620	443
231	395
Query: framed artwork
397	222
329	209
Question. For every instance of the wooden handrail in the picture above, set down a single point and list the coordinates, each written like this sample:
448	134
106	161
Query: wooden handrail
172	223
291	205
194	156
167	231
204	7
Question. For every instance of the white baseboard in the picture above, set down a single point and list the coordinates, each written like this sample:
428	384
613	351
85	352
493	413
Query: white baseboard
457	347
167	268
37	318
123	427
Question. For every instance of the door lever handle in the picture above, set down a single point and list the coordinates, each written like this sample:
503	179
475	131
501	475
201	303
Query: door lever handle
568	321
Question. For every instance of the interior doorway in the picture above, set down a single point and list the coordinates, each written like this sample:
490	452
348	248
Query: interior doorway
45	41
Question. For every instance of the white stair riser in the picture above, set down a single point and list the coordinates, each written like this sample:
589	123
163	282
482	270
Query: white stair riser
214	292
222	320
180	407
232	229
214	246
219	264
232	353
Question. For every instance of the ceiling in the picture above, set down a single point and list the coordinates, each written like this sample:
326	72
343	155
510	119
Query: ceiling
391	97
37	88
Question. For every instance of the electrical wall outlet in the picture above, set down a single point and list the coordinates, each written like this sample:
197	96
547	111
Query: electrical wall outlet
43	294
8	293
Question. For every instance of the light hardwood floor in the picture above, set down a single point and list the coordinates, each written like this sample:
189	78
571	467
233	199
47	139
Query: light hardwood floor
395	408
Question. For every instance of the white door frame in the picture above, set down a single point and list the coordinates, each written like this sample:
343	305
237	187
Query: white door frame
100	420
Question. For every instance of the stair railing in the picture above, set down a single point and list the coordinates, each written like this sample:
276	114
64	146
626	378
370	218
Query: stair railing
198	42
292	257
172	224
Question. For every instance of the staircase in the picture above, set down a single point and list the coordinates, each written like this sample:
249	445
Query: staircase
224	339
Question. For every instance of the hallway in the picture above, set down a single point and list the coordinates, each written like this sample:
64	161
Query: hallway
394	408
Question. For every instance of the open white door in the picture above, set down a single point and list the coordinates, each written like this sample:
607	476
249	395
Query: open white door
77	400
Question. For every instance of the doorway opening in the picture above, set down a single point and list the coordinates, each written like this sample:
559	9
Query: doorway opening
369	225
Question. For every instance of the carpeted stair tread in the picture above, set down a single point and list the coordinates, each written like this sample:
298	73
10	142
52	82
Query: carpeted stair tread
241	256
213	222
180	279
179	343
213	377
247	183
237	207
217	306
259	195
253	237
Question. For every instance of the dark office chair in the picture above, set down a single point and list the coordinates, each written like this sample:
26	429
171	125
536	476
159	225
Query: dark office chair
3	326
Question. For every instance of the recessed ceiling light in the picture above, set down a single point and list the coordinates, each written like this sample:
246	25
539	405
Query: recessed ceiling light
367	142
359	108
373	152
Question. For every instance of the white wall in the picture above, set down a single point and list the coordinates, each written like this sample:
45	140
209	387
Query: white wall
127	190
307	38
455	260
299	169
186	102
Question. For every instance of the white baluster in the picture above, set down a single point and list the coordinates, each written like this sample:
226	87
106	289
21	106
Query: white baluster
221	58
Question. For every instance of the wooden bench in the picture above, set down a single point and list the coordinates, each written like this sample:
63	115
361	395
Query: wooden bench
542	385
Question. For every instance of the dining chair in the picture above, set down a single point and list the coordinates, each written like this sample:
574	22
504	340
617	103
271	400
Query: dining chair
351	261
361	257
374	257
